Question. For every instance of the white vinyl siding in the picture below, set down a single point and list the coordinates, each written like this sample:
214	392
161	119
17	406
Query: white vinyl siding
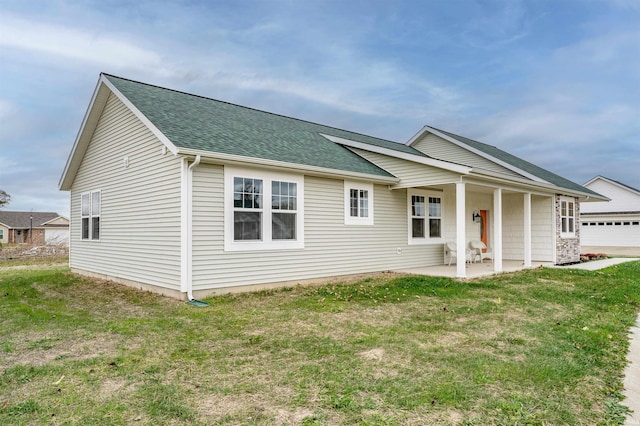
331	247
411	174
440	148
140	204
513	226
542	234
622	199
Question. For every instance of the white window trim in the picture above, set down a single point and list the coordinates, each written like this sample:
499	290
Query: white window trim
91	215
575	220
267	243
366	186
426	240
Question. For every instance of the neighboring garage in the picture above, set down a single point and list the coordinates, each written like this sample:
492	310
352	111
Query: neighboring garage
611	224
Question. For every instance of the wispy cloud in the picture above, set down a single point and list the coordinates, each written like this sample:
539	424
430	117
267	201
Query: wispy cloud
107	50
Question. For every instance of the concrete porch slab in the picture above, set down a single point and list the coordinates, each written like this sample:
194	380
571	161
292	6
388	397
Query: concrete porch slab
473	270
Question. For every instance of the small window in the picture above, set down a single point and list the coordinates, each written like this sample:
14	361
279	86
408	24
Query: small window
1	234
425	217
90	215
567	217
618	223
627	223
609	223
585	224
358	207
635	223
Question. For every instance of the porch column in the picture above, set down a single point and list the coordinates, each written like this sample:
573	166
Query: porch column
461	239
527	229
497	230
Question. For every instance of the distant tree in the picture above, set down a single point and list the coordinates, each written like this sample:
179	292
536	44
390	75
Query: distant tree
4	198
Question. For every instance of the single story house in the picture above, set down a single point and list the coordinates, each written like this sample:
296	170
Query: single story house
33	228
183	194
615	223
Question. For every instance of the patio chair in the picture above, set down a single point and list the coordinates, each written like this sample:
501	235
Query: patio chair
478	247
451	251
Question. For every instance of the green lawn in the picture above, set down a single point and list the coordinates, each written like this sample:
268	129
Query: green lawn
544	346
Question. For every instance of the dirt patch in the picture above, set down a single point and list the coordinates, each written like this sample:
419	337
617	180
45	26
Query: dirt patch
38	350
286	417
110	387
376	354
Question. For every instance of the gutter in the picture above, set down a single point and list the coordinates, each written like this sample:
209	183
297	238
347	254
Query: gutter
222	158
190	229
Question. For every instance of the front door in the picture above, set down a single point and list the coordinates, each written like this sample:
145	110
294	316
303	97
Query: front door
484	228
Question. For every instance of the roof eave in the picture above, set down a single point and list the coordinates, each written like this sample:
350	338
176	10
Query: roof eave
428	161
583	196
89	123
87	127
489	157
223	158
613	182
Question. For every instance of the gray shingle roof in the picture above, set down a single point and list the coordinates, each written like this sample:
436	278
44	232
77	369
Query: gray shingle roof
21	220
196	122
520	163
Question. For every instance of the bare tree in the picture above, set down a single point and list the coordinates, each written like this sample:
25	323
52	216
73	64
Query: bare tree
4	198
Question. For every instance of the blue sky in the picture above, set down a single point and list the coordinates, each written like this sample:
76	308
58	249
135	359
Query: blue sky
555	82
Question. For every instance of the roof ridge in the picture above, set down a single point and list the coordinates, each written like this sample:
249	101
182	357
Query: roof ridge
249	108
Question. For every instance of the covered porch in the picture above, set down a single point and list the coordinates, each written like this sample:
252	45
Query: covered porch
517	224
472	270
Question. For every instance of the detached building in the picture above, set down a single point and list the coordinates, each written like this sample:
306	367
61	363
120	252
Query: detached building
614	223
33	228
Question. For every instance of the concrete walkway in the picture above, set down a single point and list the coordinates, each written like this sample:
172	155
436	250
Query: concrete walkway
632	371
594	265
632	377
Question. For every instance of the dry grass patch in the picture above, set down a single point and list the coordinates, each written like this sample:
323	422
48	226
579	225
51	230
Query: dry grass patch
385	350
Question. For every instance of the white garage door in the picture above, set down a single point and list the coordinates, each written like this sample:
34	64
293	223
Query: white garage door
56	236
620	233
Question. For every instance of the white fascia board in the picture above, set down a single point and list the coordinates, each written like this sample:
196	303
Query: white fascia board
626	188
89	122
170	146
55	218
477	152
222	158
417	136
593	180
5	225
427	161
503	181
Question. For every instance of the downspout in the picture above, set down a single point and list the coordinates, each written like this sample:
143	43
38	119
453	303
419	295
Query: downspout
190	228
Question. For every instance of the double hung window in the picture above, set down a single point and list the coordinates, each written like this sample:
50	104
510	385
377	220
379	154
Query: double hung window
425	217
263	210
90	215
358	209
567	217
